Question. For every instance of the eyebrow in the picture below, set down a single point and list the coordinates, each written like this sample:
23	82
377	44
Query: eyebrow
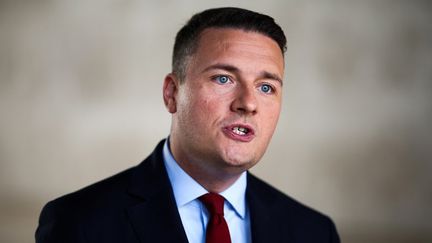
234	69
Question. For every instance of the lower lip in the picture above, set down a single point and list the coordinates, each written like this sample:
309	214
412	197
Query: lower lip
241	138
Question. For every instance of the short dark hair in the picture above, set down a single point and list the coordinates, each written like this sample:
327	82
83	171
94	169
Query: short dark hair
187	38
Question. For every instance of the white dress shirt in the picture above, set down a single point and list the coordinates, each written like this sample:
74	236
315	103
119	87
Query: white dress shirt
193	213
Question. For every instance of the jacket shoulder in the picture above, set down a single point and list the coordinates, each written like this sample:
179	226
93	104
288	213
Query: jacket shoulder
100	193
100	209
63	219
298	220
277	199
113	191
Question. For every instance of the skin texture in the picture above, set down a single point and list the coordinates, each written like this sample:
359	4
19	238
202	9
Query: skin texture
233	79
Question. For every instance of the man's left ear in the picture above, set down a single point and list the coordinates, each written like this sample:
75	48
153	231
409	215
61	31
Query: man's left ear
170	88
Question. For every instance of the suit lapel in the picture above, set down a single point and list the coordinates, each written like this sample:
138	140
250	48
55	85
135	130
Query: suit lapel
155	217
263	216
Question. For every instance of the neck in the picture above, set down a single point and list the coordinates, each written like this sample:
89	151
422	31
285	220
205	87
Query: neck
212	181
213	176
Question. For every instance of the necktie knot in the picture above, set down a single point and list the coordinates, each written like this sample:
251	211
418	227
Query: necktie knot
213	202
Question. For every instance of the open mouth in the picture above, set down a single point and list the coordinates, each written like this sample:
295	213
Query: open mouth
240	132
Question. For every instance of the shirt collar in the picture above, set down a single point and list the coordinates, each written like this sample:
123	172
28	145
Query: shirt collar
236	195
186	189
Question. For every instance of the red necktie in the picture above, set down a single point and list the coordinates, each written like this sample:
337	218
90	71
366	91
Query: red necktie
217	228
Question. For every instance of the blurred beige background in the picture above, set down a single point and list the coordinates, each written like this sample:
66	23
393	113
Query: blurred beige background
80	99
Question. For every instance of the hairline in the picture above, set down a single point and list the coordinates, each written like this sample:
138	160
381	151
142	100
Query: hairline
192	49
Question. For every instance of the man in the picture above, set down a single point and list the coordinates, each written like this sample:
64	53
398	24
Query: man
224	94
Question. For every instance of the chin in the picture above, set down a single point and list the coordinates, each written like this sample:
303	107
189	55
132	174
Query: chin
239	157
240	162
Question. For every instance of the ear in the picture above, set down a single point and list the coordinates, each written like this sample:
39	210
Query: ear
170	91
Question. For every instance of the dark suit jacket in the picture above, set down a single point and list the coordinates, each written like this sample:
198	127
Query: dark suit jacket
138	205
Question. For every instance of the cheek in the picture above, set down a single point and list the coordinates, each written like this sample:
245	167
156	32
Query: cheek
271	117
197	110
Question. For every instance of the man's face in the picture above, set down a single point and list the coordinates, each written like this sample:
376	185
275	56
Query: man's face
226	109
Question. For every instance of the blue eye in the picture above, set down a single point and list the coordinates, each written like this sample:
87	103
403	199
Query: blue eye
266	88
222	79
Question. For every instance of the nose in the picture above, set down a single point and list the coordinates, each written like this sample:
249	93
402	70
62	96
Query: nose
245	101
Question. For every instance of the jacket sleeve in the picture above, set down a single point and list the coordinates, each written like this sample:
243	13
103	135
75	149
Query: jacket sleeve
58	225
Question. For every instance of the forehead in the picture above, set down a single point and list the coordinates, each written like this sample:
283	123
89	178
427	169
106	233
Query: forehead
231	45
215	34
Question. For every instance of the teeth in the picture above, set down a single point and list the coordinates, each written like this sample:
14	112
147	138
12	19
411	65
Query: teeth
240	130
